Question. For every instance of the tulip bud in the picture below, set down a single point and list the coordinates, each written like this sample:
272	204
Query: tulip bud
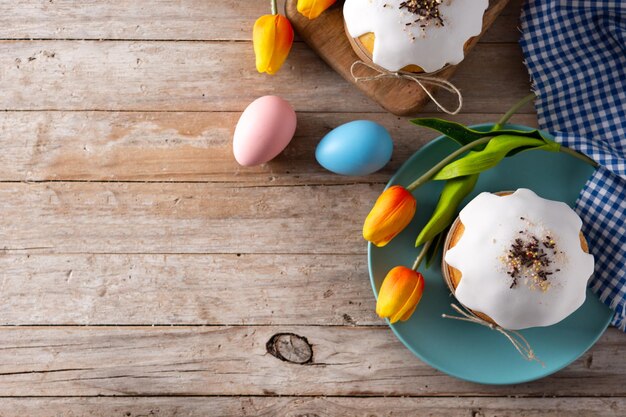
272	37
391	213
313	8
400	293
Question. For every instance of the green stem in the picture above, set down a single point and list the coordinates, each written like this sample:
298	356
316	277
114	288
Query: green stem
579	155
422	254
274	7
563	149
434	170
445	161
514	110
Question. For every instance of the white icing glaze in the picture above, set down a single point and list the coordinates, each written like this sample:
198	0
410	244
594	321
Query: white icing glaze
398	44
492	223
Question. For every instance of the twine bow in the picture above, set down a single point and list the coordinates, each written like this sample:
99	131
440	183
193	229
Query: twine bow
421	80
517	340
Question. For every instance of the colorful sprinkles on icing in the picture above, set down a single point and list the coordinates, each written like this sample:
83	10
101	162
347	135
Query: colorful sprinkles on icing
530	258
426	10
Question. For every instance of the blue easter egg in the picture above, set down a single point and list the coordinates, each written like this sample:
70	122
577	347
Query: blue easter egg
356	148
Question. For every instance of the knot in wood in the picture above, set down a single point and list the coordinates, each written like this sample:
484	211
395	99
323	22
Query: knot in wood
290	347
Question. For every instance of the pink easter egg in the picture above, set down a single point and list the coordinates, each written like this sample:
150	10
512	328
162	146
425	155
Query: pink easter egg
264	129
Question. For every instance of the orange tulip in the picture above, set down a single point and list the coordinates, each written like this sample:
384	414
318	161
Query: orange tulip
392	212
400	293
272	37
313	8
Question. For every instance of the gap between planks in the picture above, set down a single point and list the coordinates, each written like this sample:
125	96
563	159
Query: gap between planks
296	41
313	406
360	396
527	111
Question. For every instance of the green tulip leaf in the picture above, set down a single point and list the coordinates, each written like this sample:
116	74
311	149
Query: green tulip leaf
497	149
464	135
455	131
453	193
433	250
549	146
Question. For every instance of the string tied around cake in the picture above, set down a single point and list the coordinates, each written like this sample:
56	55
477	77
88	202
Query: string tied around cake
422	80
517	340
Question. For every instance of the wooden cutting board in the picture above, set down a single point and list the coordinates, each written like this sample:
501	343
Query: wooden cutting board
327	37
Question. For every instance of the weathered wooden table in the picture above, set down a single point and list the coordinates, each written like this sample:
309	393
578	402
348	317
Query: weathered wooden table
145	273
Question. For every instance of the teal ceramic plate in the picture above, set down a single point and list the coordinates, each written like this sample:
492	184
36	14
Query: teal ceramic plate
470	351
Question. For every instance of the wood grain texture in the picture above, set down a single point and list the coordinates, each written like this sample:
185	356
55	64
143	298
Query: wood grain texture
183	146
215	76
326	35
183	218
316	406
162	20
183	289
123	210
222	360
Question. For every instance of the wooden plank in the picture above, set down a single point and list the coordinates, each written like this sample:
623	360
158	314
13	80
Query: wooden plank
160	19
216	76
183	218
313	406
346	361
185	289
163	146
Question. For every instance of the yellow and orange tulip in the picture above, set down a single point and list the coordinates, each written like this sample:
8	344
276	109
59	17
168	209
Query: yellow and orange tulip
272	37
400	293
392	212
313	8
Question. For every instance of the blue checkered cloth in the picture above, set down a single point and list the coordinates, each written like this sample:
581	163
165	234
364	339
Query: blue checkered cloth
575	51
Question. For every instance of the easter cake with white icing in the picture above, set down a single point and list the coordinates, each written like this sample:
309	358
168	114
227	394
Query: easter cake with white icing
518	260
413	35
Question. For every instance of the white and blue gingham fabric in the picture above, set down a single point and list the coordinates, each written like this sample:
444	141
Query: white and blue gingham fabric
575	51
